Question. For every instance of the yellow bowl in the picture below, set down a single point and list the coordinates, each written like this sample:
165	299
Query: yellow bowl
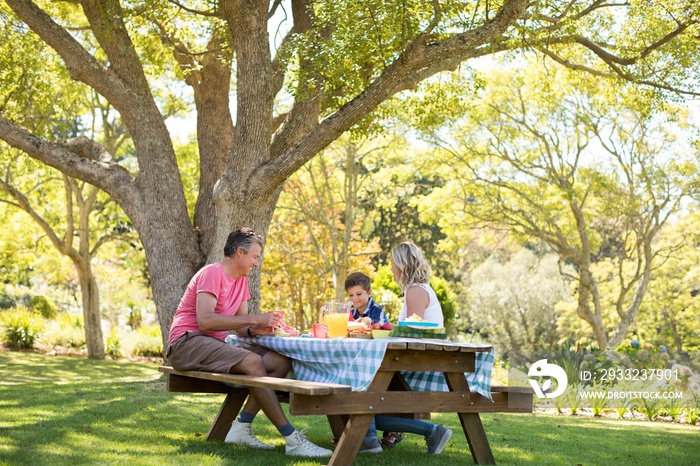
380	333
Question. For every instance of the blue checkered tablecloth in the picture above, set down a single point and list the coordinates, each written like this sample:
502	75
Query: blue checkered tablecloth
354	362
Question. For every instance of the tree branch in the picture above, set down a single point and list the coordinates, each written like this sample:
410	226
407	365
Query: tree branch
304	115
24	204
80	64
212	13
419	55
78	157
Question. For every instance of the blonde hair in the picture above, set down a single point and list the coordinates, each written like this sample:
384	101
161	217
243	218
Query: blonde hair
413	268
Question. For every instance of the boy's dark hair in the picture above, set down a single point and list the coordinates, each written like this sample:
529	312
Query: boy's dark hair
242	238
358	279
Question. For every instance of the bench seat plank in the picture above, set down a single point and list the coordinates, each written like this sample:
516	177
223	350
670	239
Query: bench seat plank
275	383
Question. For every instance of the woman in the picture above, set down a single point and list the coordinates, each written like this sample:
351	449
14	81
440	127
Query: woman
412	273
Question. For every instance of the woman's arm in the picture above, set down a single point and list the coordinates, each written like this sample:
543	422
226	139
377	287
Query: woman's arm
417	300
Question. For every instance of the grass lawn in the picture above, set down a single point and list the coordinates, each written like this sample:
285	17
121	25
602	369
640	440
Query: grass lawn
58	410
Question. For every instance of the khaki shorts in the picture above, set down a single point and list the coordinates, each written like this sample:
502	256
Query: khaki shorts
195	351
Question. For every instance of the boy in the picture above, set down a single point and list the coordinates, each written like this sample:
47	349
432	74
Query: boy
359	289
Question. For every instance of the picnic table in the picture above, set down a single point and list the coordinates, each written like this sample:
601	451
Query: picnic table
351	380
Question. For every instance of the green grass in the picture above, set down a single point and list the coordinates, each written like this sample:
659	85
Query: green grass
59	410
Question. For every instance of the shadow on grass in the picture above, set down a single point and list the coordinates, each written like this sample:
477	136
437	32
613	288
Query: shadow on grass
19	367
61	410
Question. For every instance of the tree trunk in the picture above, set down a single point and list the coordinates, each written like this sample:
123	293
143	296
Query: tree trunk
583	310
90	297
173	258
677	341
257	214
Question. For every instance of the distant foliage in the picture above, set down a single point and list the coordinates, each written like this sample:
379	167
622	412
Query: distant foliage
513	303
66	331
20	328
135	318
44	306
446	298
113	346
145	341
6	301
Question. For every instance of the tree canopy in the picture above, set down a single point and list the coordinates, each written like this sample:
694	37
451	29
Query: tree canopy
271	94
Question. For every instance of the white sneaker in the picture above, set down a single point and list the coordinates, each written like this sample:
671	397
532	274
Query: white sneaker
241	433
298	445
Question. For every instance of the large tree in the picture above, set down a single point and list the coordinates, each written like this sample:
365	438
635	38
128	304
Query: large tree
336	65
595	176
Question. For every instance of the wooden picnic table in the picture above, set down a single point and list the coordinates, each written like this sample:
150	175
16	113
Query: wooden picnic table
350	412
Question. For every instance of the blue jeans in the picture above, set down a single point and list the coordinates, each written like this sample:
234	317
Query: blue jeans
398	424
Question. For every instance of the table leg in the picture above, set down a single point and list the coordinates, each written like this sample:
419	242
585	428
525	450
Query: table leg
337	423
471	423
227	413
351	440
357	425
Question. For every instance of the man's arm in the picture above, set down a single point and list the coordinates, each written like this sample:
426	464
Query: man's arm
252	330
208	320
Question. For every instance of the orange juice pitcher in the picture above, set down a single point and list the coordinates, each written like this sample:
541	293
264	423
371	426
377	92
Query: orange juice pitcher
336	317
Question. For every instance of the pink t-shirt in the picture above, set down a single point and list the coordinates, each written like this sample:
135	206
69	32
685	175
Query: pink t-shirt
229	292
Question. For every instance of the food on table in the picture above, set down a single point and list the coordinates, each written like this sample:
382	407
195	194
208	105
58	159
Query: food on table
381	333
415	318
359	328
286	331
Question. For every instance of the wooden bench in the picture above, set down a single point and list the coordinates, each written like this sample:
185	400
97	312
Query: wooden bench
237	391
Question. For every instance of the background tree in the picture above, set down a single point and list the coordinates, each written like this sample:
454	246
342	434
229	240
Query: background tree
670	314
314	240
337	64
594	177
513	303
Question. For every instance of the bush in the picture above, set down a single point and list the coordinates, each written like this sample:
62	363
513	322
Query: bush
6	301
135	318
113	346
21	328
44	306
146	341
67	331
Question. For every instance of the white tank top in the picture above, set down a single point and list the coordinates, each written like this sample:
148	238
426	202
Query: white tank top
433	313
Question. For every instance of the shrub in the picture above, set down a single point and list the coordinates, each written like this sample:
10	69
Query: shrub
113	346
673	407
44	306
67	331
598	405
650	407
146	341
20	328
6	301
135	318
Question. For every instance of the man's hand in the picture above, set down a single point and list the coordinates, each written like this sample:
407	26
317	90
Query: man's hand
270	321
273	319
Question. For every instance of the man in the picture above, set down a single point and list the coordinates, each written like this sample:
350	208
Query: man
215	302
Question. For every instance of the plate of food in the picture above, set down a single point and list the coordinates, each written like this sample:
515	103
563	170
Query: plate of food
360	329
406	323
